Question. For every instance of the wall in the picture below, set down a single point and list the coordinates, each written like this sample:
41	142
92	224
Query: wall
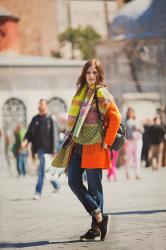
38	24
30	82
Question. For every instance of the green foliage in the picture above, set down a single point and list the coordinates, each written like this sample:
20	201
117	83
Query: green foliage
84	39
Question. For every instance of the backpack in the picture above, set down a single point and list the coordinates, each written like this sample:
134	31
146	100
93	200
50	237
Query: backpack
121	134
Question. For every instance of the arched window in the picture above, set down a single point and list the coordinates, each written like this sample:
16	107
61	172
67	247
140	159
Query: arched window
56	106
14	113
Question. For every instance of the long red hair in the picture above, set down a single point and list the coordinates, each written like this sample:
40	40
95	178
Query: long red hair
100	74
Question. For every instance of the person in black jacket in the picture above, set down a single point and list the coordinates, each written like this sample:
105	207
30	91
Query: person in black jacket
43	135
156	135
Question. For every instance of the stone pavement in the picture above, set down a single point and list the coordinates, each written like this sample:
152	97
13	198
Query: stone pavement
138	209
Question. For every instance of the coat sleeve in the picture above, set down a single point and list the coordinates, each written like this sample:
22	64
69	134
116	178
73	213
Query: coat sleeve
110	114
112	120
30	131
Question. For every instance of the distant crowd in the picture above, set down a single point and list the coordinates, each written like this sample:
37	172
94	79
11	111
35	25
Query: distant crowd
145	145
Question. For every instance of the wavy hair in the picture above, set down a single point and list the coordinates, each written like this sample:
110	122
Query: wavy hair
100	74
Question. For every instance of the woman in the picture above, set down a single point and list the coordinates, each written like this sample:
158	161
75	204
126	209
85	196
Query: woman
87	146
133	145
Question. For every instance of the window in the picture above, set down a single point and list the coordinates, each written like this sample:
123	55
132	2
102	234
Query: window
56	106
14	113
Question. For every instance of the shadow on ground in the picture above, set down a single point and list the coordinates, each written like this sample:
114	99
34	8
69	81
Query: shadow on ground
43	243
138	212
34	244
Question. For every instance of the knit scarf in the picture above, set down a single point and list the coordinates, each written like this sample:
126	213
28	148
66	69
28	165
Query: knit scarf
80	106
79	109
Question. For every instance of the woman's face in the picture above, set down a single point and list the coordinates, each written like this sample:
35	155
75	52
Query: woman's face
91	76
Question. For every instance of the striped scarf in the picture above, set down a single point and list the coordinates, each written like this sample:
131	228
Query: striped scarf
80	106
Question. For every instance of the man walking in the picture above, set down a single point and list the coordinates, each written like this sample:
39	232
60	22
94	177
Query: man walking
44	137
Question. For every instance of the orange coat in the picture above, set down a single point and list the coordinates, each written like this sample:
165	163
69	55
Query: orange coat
95	156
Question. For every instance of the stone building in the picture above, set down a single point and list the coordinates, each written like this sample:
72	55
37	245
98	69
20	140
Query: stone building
32	29
133	55
42	20
37	26
24	80
8	31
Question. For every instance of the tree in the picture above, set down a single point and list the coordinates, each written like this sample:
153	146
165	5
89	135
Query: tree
84	39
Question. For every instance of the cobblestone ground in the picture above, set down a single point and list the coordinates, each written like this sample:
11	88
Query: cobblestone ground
138	209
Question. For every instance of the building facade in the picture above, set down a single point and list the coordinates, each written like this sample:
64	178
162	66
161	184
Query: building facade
25	80
9	32
134	53
41	21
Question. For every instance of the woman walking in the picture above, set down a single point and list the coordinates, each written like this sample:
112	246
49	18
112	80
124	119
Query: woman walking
133	145
85	146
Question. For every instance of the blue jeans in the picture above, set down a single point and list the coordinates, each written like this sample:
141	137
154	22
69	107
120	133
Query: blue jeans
41	173
91	197
21	163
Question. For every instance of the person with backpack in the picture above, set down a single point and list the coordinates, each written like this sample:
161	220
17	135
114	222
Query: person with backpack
86	144
43	135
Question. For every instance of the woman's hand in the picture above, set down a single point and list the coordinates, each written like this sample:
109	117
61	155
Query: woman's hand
105	145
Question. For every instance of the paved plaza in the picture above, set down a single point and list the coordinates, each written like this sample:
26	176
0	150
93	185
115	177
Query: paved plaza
137	209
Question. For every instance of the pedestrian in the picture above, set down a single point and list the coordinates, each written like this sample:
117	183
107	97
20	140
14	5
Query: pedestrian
1	135
156	134
133	144
86	146
146	142
19	152
112	172
42	134
7	146
162	114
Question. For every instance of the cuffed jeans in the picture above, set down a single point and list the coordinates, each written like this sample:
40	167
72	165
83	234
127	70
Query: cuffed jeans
41	173
91	197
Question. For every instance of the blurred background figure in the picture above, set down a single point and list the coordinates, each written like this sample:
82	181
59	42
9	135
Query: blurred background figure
133	145
156	135
43	135
19	152
112	172
7	147
146	142
0	141
161	111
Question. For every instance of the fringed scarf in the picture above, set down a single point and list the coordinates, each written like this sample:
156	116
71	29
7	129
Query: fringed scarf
80	106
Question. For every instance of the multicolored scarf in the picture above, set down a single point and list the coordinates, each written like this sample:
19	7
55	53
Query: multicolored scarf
81	104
